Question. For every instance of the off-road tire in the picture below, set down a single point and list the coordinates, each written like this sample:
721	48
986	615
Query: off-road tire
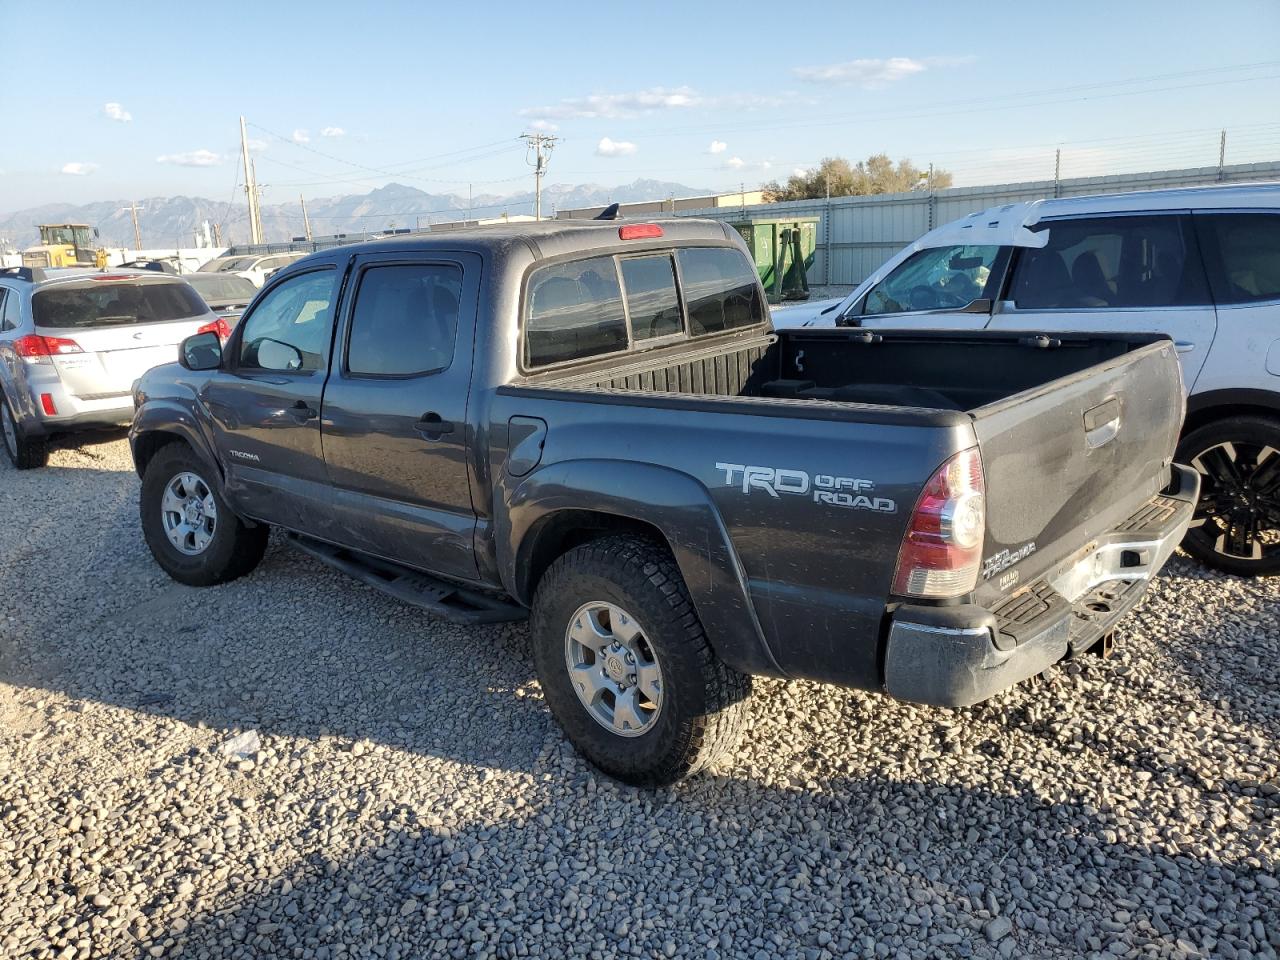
704	700
236	547
1258	431
25	453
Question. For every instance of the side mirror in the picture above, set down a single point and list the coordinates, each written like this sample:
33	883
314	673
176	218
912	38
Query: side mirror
201	351
981	305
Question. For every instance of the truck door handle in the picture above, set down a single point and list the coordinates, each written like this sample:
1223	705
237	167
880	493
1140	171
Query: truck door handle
432	426
303	411
1183	346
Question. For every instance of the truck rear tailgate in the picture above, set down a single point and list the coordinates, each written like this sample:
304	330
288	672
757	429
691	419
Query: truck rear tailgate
1067	462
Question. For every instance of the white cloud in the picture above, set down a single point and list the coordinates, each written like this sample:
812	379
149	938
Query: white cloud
78	168
799	172
767	165
115	111
546	126
301	136
257	146
614	106
614	148
333	132
735	163
871	72
717	146
192	158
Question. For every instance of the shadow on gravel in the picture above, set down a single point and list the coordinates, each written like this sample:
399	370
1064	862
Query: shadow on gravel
746	870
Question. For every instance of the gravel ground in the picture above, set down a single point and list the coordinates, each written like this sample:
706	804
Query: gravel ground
408	794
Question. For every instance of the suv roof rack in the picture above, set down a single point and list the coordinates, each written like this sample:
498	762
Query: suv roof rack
29	274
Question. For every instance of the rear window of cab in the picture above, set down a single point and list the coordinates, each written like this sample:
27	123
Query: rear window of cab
603	305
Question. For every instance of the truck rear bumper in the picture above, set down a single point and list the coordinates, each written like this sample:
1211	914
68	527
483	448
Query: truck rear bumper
956	656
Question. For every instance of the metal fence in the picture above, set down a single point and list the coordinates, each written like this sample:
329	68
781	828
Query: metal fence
857	234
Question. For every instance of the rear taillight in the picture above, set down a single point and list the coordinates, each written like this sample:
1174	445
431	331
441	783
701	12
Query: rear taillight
219	326
42	349
942	550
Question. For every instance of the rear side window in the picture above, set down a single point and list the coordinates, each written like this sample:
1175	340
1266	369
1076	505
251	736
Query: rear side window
115	303
721	289
652	301
575	311
1110	262
405	320
1242	252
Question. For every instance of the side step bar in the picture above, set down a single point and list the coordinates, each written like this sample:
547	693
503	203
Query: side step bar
446	600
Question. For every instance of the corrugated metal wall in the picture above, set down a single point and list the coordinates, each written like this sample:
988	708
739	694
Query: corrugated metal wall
857	234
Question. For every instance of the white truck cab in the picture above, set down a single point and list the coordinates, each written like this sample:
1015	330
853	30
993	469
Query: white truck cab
1199	264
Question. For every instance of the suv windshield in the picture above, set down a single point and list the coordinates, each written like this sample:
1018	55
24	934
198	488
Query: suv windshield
236	263
95	303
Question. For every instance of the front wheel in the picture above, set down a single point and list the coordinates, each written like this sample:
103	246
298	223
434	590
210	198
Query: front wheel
626	667
1236	527
190	529
26	453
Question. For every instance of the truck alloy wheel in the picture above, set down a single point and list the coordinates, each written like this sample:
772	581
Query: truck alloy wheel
189	513
613	669
626	666
1236	526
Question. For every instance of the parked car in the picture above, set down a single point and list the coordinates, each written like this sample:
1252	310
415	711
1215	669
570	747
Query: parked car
596	421
227	294
255	268
1200	264
73	341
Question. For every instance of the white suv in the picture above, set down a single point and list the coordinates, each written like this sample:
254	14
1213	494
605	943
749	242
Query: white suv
1199	264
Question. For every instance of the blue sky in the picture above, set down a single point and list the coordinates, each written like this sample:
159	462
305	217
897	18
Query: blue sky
344	97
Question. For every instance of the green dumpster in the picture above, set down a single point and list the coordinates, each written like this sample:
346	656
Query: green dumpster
783	252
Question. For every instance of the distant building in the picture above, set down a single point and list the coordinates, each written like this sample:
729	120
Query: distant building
483	221
671	205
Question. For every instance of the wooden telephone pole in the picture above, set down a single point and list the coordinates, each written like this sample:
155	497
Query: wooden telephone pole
306	222
137	233
540	147
250	188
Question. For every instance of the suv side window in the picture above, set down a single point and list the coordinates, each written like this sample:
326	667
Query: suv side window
721	289
575	311
11	313
941	278
404	321
1242	253
289	328
1111	262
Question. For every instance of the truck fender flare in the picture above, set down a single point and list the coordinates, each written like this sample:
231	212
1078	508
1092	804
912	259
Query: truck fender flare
163	416
673	503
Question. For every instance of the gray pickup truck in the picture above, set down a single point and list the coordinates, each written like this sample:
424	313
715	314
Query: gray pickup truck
593	424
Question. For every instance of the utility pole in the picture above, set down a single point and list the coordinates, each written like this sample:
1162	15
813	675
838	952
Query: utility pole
217	235
1057	172
137	234
540	145
250	188
1222	155
306	222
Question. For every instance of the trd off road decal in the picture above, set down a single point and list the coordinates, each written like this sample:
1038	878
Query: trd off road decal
848	492
1002	561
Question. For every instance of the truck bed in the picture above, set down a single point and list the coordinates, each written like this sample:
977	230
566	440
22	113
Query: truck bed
930	370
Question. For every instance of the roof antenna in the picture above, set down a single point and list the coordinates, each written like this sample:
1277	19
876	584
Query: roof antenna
608	213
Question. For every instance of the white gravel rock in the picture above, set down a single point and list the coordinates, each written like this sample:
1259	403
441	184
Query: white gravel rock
410	796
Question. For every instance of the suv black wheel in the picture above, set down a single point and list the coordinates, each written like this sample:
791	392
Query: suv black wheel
190	529
26	453
626	666
1236	527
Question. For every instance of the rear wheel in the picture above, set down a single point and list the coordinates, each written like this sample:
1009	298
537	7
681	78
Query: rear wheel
1236	527
626	666
190	529
26	453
